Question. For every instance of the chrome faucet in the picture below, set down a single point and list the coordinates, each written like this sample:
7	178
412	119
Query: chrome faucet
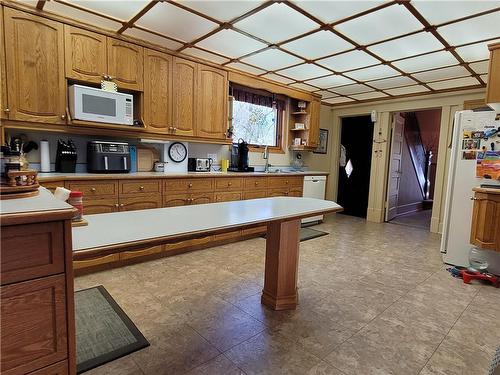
265	156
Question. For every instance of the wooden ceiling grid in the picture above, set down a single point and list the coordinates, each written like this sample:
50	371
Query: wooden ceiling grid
331	94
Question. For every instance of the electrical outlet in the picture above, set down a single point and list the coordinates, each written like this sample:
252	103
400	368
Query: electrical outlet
213	157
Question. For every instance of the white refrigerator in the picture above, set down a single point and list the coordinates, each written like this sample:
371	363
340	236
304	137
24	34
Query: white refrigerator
468	125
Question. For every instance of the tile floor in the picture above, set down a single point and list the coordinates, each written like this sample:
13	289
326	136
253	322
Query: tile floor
420	219
374	299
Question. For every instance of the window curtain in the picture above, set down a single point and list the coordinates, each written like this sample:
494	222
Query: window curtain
248	95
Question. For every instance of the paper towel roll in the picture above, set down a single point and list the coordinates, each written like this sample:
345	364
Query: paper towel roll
44	156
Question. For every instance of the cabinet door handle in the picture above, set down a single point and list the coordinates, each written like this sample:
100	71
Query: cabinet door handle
105	76
256	183
117	205
175	129
190	185
229	183
92	189
6	110
63	117
141	187
111	78
121	204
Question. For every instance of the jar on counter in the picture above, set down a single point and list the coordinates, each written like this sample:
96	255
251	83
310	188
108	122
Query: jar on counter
76	200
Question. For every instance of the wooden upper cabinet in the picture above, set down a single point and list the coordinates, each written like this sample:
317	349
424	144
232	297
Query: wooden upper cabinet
485	227
157	91
493	89
4	111
184	90
212	102
34	50
85	54
125	64
313	138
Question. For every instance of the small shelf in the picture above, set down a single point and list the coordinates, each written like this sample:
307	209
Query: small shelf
297	130
302	148
300	113
105	125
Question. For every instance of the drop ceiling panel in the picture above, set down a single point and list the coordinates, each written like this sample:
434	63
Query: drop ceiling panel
471	30
153	38
408	46
375	72
278	78
452	83
430	61
349	60
225	10
246	68
303	86
386	23
330	81
324	11
123	10
304	72
326	94
195	52
437	12
445	73
276	23
474	52
319	44
338	100
392	82
272	59
407	90
480	67
352	89
173	21
81	16
369	95
231	43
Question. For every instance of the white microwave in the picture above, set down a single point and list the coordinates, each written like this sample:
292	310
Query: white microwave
91	104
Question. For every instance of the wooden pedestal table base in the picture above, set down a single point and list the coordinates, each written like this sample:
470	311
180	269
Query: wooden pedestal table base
282	262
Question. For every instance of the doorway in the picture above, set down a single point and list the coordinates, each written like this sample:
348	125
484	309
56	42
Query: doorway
412	167
355	163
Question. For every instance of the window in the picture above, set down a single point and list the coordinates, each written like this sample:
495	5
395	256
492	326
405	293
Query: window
257	117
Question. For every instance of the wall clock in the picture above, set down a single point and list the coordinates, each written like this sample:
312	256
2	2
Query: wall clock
177	152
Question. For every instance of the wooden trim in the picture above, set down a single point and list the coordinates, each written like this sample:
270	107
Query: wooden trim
37	216
70	300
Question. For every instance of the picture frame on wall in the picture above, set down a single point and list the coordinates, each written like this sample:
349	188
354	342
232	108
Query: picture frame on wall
323	142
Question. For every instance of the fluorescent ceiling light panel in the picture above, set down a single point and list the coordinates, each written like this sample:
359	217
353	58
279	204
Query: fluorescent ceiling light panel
408	46
430	61
338	100
437	12
329	11
319	44
471	30
474	52
349	60
391	82
304	72
369	95
386	23
175	22
452	83
272	59
225	10
439	74
153	38
246	68
277	78
121	9
303	86
231	43
375	72
407	90
276	23
330	81
352	89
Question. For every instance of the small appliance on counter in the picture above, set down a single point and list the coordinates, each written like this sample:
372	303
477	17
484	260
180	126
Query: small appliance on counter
199	164
239	157
66	156
108	157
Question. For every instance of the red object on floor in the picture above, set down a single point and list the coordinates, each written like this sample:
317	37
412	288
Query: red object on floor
467	276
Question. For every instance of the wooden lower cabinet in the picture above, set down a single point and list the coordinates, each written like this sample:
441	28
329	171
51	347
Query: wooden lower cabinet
140	253
140	202
33	321
100	206
254	194
485	227
187	244
228	196
93	262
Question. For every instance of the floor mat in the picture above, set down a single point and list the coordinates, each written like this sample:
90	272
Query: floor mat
103	331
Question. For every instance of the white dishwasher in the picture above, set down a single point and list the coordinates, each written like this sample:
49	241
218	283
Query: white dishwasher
314	187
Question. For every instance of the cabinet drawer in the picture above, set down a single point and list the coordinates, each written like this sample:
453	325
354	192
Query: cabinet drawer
52	185
277	192
228	184
188	184
254	194
142	202
79	264
227	236
187	243
31	250
174	200
295	192
100	206
280	182
255	231
95	189
34	333
140	187
227	197
139	253
252	183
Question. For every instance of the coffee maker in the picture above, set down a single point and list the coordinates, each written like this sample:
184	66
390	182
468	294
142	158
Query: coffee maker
239	157
66	156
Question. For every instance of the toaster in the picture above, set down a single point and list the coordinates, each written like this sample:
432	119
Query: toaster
108	157
199	164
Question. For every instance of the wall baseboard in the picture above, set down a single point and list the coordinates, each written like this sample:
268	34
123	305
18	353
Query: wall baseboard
409	207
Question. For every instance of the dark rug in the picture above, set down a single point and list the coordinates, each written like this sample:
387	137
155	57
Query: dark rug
103	331
308	234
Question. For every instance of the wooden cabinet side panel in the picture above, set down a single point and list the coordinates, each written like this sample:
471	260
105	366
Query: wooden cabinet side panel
85	54
34	49
158	75
313	136
33	324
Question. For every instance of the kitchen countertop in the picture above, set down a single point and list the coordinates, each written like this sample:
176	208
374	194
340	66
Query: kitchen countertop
47	177
121	228
487	190
44	201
